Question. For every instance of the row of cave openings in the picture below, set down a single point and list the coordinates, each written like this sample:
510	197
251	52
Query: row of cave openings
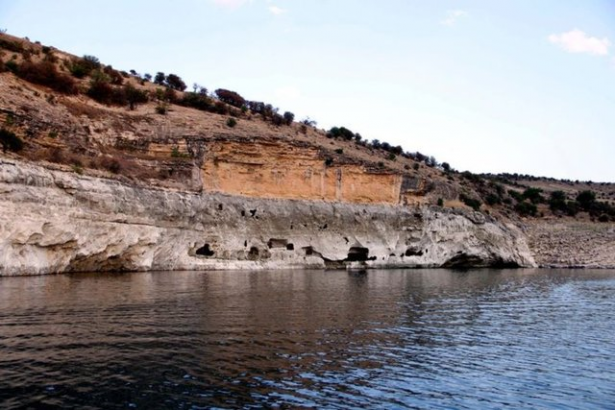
355	253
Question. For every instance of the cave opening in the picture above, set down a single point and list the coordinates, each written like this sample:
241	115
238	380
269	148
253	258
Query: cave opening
290	247
253	253
414	252
205	251
309	250
358	254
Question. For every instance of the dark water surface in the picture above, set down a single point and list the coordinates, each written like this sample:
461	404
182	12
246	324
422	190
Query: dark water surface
387	339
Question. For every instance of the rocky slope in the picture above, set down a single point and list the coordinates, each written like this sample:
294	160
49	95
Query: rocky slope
96	184
56	221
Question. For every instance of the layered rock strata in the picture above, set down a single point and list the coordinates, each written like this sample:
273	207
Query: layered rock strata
55	221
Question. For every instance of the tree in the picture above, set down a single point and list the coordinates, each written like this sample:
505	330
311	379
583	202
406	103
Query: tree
557	201
10	141
134	96
160	78
446	166
175	82
586	199
289	117
230	97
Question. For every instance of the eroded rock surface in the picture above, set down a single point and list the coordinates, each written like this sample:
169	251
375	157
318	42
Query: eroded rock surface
54	221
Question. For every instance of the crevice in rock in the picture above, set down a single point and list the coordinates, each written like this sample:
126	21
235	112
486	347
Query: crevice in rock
205	251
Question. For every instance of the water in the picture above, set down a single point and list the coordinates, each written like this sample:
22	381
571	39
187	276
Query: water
388	339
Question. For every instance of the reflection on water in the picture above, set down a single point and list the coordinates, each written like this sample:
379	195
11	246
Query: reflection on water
385	339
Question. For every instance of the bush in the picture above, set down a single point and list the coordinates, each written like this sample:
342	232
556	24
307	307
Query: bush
231	122
45	73
557	201
492	199
526	209
13	46
134	96
197	100
339	151
10	141
230	97
440	202
81	67
586	199
160	78
175	82
289	117
11	66
162	108
471	202
391	157
533	194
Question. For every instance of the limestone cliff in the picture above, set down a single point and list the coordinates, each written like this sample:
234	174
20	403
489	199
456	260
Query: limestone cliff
57	221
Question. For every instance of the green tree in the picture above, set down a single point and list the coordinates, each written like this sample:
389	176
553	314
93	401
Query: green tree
586	199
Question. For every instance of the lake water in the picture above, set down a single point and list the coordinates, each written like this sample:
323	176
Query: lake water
386	339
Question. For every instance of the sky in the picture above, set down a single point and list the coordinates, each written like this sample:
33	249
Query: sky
520	86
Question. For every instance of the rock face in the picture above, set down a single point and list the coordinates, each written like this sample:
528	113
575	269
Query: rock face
573	244
54	221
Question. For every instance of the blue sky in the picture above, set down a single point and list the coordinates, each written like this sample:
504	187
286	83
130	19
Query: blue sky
490	86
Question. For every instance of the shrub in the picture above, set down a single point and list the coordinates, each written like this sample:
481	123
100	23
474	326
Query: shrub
526	209
134	96
160	78
10	141
175	82
492	199
471	202
230	97
231	122
416	166
81	67
9	45
603	218
440	202
533	194
586	199
289	117
45	73
446	166
277	119
196	100
162	108
11	66
391	157
115	77
340	132
339	150
557	201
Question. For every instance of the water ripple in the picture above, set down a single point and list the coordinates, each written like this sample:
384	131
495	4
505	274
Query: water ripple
431	339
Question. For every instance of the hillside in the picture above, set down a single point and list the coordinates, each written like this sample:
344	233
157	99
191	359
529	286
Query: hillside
75	115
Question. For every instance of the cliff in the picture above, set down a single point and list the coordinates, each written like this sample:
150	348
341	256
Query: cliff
94	181
56	221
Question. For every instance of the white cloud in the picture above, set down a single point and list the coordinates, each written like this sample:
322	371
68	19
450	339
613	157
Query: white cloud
576	41
452	16
276	10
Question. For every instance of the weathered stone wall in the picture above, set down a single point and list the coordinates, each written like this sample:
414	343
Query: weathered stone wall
54	221
283	170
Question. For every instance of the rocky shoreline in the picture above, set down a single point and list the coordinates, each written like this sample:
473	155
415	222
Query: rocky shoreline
55	221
